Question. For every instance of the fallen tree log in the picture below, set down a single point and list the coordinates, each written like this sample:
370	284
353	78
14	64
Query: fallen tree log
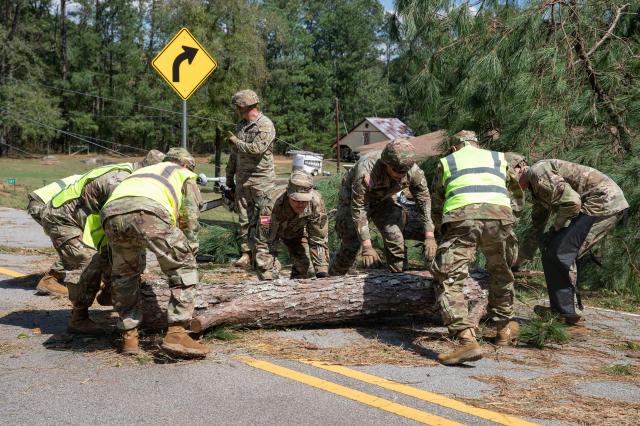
377	295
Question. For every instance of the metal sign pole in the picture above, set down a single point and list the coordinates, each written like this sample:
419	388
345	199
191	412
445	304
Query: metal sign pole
184	124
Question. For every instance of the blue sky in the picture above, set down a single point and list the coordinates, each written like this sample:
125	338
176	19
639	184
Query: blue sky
388	4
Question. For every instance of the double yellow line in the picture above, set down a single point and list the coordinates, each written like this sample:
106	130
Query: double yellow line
381	403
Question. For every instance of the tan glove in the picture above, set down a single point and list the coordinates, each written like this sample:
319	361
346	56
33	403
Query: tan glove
370	257
233	139
430	247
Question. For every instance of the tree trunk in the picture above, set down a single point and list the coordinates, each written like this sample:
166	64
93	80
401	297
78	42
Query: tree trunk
379	295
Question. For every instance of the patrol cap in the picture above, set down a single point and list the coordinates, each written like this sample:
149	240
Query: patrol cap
153	157
181	156
463	136
514	159
300	186
399	154
245	98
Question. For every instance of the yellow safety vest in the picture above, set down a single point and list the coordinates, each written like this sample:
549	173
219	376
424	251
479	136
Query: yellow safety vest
474	176
46	193
161	182
93	235
74	191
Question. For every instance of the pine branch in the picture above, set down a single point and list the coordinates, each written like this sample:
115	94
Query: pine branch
609	31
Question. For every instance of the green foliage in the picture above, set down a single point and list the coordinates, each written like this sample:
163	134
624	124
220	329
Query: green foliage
539	331
219	242
225	334
620	369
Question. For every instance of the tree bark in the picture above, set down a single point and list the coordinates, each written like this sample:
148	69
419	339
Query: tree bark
378	295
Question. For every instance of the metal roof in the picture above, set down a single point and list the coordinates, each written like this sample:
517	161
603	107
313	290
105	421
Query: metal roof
392	128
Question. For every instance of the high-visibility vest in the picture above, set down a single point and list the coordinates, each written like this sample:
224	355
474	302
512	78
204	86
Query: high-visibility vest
93	235
474	176
161	182
74	191
47	192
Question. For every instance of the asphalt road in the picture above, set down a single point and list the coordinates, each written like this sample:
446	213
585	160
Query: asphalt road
49	377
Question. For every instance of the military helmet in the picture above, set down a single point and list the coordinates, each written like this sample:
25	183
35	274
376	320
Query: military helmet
514	159
245	98
300	186
463	136
181	156
399	154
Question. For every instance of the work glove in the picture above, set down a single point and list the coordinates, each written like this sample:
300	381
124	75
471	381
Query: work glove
322	275
370	257
233	139
430	247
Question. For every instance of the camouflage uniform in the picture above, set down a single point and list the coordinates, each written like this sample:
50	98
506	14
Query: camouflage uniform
305	235
251	163
489	226
587	204
369	193
65	225
134	224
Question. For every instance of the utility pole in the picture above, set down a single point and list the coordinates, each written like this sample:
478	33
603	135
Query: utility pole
337	136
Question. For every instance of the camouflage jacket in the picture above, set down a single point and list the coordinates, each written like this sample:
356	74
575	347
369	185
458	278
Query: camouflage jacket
477	211
367	185
278	222
187	216
251	160
567	189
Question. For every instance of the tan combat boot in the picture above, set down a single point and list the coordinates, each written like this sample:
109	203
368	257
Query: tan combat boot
178	343
244	261
507	333
468	352
130	342
80	323
50	285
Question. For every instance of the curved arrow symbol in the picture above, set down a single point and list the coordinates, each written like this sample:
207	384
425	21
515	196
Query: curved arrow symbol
188	54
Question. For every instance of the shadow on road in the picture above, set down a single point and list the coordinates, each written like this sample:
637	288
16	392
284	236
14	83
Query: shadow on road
28	282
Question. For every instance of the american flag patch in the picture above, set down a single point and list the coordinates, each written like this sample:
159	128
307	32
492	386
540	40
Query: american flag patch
265	220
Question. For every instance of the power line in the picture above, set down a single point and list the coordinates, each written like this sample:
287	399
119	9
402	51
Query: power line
73	135
18	149
123	102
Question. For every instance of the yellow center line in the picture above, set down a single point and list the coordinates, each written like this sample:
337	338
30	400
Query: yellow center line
364	398
431	397
11	273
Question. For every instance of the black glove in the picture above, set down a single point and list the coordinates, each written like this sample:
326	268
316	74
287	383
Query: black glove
322	275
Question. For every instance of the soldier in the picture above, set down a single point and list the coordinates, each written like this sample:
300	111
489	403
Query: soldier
296	216
250	163
471	196
38	199
587	204
156	208
369	192
517	162
72	220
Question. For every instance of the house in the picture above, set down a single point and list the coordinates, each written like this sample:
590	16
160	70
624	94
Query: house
428	145
370	131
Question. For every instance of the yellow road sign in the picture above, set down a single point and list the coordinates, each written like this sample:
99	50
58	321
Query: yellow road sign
184	64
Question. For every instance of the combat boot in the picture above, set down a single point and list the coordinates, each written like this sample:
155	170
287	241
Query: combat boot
130	342
50	285
178	343
468	352
507	333
244	261
104	297
80	323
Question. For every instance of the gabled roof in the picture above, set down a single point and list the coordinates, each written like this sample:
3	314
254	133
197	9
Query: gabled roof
426	145
392	128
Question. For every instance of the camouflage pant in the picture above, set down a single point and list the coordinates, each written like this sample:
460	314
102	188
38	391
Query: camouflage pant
389	218
83	266
246	198
451	266
129	236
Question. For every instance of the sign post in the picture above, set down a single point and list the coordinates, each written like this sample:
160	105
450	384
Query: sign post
184	64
